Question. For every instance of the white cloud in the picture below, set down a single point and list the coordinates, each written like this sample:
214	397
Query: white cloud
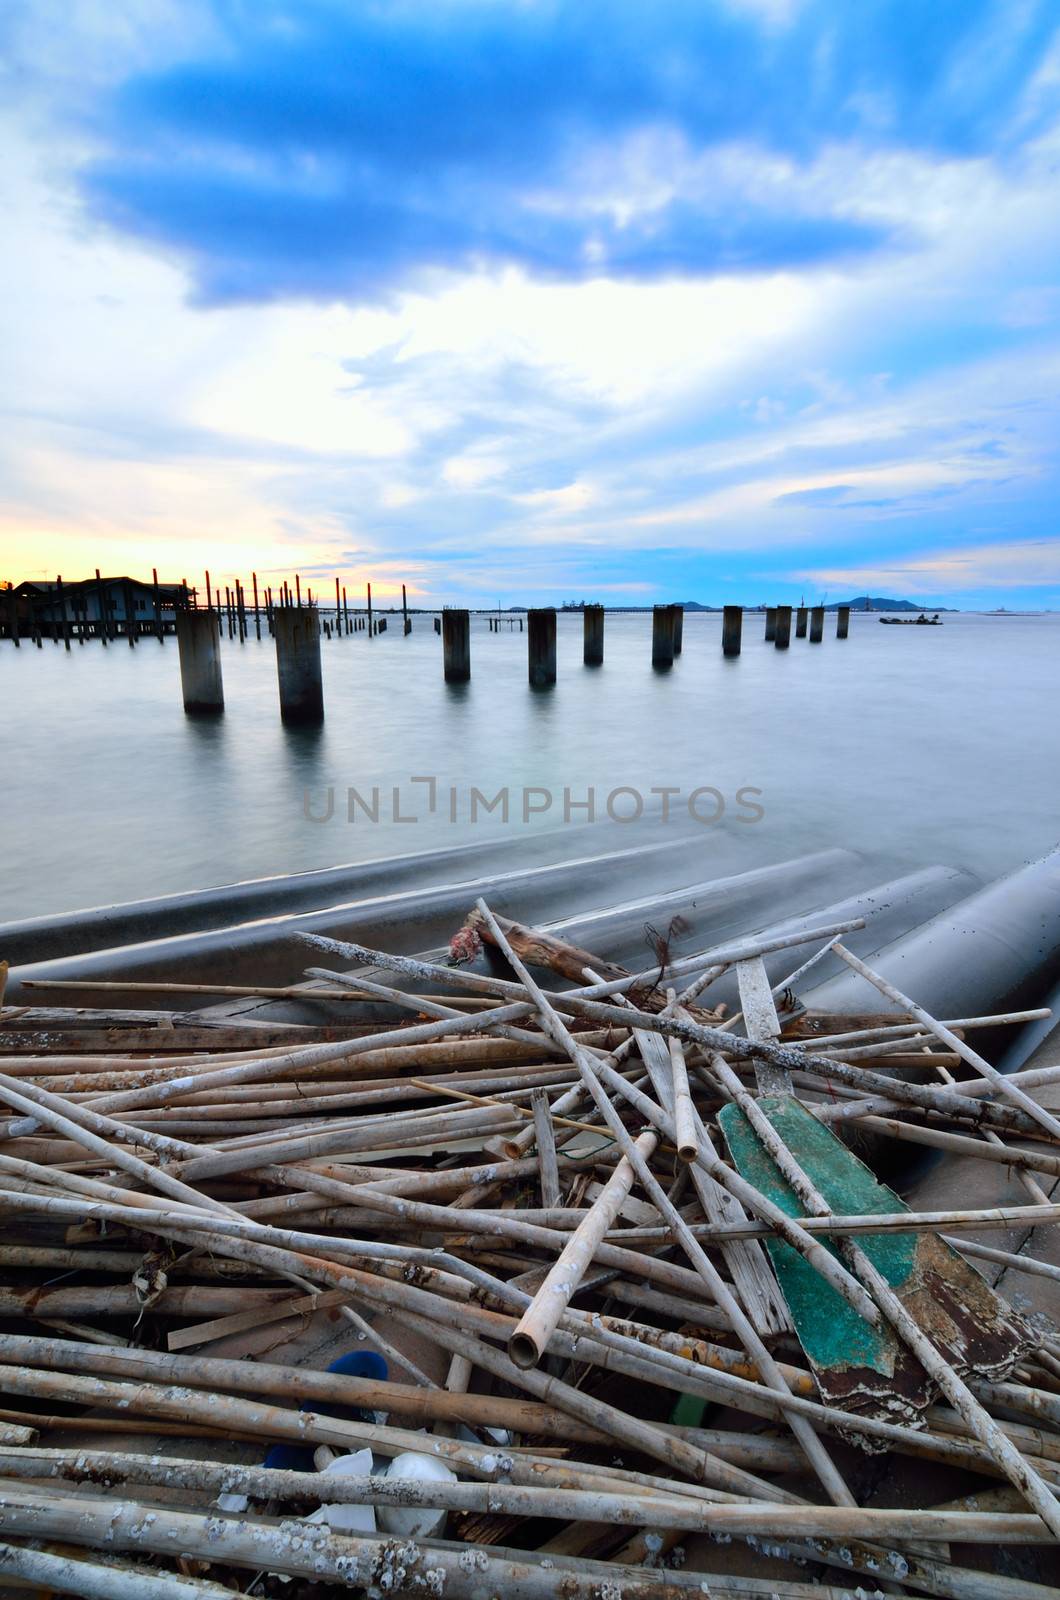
600	415
1021	564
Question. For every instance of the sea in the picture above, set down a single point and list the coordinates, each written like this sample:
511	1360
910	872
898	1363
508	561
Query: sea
923	745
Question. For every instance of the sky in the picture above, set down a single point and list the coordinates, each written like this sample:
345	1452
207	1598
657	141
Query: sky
535	301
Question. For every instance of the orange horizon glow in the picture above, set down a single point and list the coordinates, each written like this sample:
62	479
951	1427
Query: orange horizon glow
42	557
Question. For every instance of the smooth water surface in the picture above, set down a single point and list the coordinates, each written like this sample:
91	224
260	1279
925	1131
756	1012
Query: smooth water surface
922	744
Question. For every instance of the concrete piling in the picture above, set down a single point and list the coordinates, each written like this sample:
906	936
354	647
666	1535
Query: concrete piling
800	623
771	624
541	646
199	645
679	628
817	624
782	637
662	637
842	622
731	630
456	646
298	665
593	636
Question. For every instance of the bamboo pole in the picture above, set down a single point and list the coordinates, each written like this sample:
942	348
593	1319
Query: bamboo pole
1000	1082
289	991
584	1002
102	1581
943	1139
546	1149
414	1404
926	1096
708	1161
751	1272
762	1517
374	1563
528	1343
306	1130
815	1453
1033	1188
719	1386
684	1114
1005	1258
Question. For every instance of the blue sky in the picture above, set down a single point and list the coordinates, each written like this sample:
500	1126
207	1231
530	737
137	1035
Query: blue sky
725	300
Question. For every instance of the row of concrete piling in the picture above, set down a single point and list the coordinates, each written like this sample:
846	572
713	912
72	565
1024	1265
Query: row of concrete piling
667	636
297	631
778	624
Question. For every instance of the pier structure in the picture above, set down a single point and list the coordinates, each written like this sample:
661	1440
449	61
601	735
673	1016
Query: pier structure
109	609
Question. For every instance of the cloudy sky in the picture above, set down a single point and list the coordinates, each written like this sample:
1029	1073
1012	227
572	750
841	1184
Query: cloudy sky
532	300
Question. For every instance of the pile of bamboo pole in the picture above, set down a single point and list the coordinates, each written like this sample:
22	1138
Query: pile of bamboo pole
516	1190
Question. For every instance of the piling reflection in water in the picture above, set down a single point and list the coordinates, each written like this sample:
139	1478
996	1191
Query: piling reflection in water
115	794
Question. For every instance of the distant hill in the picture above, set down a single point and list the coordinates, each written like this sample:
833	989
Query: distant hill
874	602
878	602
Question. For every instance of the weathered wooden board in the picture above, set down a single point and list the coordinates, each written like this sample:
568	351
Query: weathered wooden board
859	1367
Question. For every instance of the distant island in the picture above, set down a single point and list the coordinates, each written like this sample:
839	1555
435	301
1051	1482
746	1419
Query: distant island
861	602
875	602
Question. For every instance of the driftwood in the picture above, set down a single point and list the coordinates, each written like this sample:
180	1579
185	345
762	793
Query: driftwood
540	949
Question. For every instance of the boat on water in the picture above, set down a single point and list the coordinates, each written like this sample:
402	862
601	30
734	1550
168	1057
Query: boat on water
923	621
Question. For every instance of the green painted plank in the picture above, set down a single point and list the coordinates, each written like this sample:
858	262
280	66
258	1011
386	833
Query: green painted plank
830	1331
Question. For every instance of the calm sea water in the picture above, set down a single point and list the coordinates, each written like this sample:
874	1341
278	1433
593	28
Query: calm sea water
923	745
